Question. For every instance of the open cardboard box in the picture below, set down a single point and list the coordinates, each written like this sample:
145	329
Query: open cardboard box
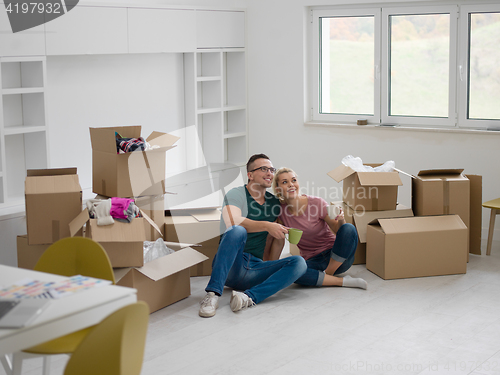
53	199
449	191
417	246
130	174
368	191
199	226
123	242
162	281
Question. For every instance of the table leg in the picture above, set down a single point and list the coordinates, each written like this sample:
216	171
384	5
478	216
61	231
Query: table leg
491	230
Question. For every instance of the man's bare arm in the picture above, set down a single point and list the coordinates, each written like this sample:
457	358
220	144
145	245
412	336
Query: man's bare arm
232	216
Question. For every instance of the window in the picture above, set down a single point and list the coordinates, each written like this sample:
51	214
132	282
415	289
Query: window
433	66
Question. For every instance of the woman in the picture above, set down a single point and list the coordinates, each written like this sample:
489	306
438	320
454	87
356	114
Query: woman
328	245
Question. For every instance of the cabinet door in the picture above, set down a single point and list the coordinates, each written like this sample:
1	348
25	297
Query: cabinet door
88	30
24	43
161	30
220	29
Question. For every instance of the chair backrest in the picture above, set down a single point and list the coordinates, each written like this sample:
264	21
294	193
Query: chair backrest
76	256
115	346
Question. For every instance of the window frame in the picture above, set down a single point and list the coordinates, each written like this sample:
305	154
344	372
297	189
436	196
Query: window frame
450	120
458	64
463	77
315	105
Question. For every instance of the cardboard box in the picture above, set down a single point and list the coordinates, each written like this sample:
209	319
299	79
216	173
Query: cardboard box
441	192
417	246
162	281
476	213
368	191
199	227
53	199
123	242
28	255
130	174
361	219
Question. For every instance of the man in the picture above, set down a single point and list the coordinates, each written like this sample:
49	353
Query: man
249	232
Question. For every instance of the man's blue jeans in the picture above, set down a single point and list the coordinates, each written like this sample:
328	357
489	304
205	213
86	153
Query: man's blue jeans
343	250
243	271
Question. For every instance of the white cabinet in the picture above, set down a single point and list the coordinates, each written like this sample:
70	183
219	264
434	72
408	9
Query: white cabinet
88	30
220	29
23	43
23	120
161	30
221	112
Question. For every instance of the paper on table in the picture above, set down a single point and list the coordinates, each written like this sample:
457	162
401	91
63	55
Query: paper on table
29	288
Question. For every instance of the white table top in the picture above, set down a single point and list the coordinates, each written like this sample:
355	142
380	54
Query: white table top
64	315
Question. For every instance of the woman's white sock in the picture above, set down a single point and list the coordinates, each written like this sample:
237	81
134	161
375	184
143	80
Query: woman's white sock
352	282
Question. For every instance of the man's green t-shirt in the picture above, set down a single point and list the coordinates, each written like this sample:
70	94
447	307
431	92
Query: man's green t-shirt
250	209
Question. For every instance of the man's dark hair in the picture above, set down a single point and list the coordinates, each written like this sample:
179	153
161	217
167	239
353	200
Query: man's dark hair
255	157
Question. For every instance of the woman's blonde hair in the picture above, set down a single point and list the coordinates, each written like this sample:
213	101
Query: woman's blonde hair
276	178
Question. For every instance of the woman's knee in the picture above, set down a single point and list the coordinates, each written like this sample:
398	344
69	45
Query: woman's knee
348	230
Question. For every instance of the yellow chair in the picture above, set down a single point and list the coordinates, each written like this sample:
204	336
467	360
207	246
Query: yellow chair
67	257
495	210
115	346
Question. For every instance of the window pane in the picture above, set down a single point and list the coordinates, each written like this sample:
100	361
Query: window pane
484	66
419	65
347	73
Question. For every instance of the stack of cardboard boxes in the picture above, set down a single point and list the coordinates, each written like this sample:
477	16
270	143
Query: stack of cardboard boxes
139	175
53	198
394	243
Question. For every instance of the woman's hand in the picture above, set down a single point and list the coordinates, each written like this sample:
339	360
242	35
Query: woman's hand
340	217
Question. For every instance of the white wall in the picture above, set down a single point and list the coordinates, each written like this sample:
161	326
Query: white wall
277	88
109	90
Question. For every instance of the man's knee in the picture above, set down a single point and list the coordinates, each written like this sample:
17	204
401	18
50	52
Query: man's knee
236	232
299	264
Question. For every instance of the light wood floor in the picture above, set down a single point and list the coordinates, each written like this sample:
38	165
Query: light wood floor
433	325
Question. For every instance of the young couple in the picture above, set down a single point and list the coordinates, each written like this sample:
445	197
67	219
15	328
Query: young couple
254	223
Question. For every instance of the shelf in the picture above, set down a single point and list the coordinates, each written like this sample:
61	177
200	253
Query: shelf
23	90
235	135
211	78
234	108
23	122
20	129
202	111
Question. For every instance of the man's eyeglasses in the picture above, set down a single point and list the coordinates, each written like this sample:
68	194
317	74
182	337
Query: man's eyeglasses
264	169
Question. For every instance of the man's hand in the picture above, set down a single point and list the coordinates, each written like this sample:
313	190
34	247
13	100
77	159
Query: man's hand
277	230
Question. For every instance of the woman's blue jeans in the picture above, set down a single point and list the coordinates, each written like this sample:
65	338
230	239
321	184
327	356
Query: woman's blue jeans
343	250
243	271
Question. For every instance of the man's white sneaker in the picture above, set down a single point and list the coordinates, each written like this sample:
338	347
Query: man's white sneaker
240	301
208	305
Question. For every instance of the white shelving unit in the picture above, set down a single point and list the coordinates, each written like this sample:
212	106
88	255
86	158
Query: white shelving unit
221	112
23	123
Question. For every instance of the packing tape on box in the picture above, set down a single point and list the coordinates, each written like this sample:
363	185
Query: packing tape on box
446	197
55	230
